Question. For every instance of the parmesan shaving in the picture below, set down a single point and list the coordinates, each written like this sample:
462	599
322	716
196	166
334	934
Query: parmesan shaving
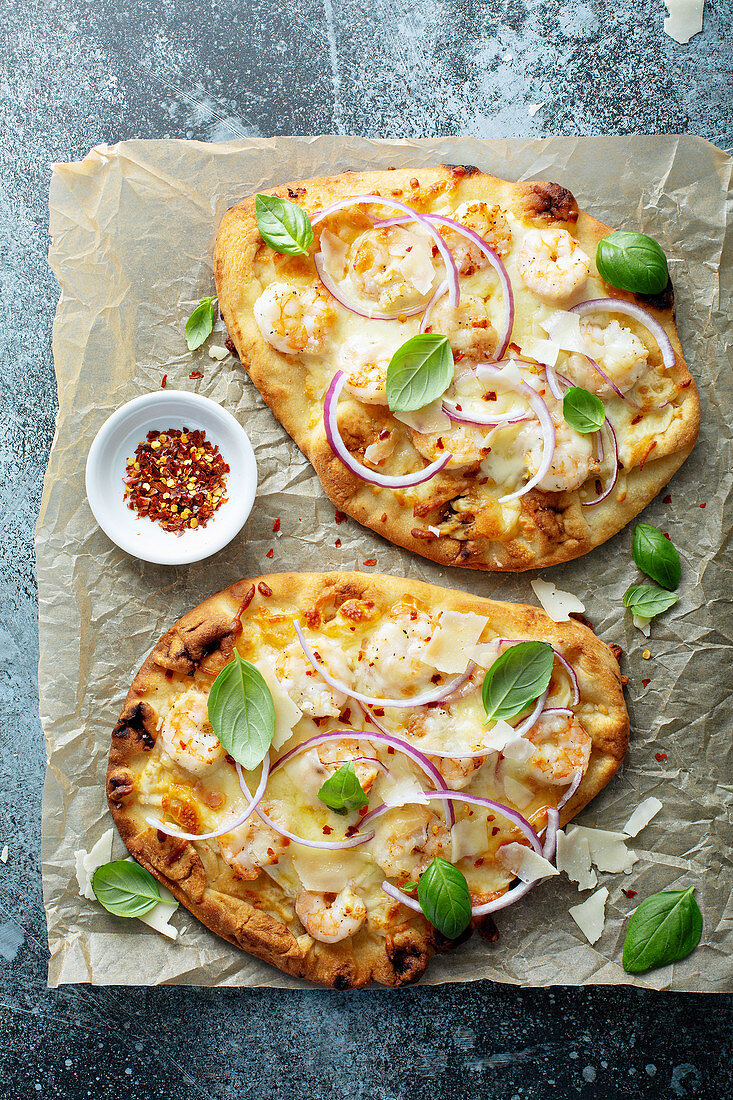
468	837
402	791
327	872
287	714
608	851
456	633
564	329
524	862
217	352
544	351
555	602
519	795
573	857
426	421
518	749
642	815
4	854
642	624
590	915
684	20
88	862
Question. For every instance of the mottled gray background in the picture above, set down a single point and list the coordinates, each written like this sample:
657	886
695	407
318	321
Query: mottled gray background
75	74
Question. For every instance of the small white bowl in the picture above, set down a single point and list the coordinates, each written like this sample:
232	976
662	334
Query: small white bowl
118	438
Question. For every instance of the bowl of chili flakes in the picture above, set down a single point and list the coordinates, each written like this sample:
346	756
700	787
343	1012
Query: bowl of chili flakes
171	477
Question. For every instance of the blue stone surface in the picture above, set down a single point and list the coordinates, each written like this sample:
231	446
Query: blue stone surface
76	74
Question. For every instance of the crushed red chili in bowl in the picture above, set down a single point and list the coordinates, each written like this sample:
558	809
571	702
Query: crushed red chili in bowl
177	478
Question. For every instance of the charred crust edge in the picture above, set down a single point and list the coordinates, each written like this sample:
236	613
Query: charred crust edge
551	201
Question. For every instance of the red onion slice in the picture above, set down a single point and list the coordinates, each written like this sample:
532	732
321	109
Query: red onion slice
434	696
576	781
548	852
606	378
496	807
442	289
339	448
553	381
343	299
401	896
254	801
643	316
451	271
614	476
526	725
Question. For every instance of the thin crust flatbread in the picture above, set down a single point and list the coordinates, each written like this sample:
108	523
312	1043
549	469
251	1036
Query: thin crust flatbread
255	911
454	519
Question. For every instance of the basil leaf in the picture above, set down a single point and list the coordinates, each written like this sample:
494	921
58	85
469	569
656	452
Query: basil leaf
283	225
516	679
342	791
647	601
444	898
583	411
125	889
419	372
666	927
656	556
632	261
200	323
242	713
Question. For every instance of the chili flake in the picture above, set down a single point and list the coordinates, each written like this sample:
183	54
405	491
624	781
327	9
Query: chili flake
269	553
164	381
646	654
660	756
276	525
176	478
629	893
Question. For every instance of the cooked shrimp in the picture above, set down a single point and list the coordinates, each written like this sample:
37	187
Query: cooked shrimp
407	839
366	359
447	726
617	350
390	662
187	734
562	746
306	687
392	267
468	446
490	223
251	847
468	327
573	460
335	753
552	264
331	921
295	320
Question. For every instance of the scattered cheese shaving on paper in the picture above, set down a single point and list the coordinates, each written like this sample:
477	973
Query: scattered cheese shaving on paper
642	815
642	624
608	851
533	108
217	352
555	602
525	863
4	854
87	863
573	857
590	915
684	20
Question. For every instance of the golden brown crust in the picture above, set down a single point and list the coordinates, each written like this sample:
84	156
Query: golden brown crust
552	527
196	874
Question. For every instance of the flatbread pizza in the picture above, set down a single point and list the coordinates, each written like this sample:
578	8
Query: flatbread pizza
314	764
442	347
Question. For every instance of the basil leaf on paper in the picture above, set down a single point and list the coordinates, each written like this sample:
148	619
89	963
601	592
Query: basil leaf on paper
666	927
125	889
632	261
242	713
646	600
419	372
283	225
342	792
200	323
583	411
516	679
656	556
444	898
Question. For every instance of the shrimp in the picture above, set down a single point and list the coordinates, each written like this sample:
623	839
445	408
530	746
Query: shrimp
562	746
468	446
251	847
390	661
573	460
407	839
334	920
490	223
392	267
617	350
366	359
333	754
468	327
295	320
306	687
552	264
187	734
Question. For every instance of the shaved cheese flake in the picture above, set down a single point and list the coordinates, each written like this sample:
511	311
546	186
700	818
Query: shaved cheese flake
544	351
525	863
563	328
307	773
608	851
456	632
518	749
417	264
216	351
642	624
555	602
499	736
642	815
684	20
327	872
87	863
468	837
485	653
519	795
428	420
533	108
401	791
590	915
287	715
573	857
4	854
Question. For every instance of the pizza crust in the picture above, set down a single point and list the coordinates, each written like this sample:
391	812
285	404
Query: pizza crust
552	526
195	872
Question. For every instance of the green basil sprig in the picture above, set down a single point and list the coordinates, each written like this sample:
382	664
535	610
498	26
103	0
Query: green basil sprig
283	225
656	556
125	889
516	679
632	261
666	927
646	600
444	898
200	323
242	713
419	372
583	411
342	792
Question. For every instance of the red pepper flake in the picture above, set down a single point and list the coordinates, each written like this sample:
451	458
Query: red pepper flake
337	543
479	862
370	561
645	682
379	711
264	589
269	553
660	756
666	535
383	517
327	830
169	674
702	505
340	516
352	829
176	478
276	525
164	381
363	810
667	499
196	374
629	893
495	830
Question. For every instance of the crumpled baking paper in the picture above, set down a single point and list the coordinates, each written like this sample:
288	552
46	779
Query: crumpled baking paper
133	228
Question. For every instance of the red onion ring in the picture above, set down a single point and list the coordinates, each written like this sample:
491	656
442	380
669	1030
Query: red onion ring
552	381
606	378
577	779
526	725
507	899
337	445
254	801
434	696
442	289
490	419
643	316
614	446
378	200
336	292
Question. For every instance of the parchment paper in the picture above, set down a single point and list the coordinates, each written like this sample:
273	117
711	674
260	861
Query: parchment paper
133	228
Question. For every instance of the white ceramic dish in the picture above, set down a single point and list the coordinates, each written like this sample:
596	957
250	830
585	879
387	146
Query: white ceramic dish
117	439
